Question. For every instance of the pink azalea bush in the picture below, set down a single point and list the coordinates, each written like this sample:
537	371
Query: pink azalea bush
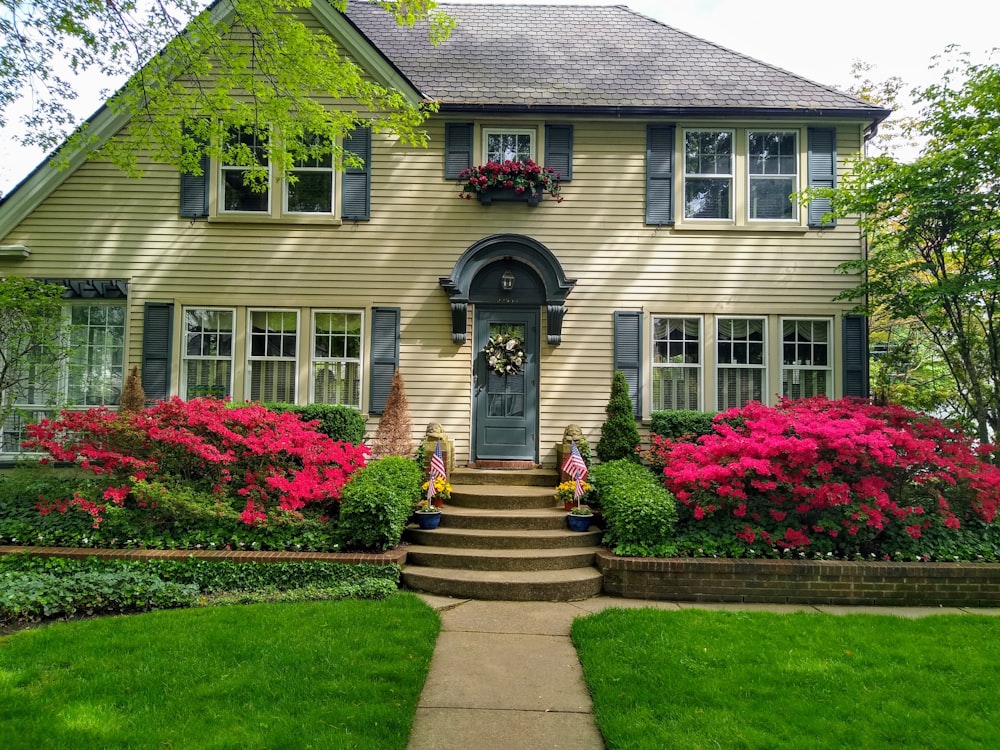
250	461
837	477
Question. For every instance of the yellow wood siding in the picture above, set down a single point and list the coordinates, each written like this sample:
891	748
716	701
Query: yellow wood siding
99	224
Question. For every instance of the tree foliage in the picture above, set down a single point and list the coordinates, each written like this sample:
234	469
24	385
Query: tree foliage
193	74
933	228
30	348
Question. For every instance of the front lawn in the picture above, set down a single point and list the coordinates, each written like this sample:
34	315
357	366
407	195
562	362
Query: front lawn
699	679
344	674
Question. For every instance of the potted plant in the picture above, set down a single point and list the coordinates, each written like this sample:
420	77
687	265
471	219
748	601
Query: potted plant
565	491
442	491
510	180
579	518
428	515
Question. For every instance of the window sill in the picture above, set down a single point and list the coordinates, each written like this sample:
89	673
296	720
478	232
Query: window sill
248	218
768	227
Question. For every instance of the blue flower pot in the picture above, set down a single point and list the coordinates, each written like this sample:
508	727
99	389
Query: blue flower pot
428	520
578	523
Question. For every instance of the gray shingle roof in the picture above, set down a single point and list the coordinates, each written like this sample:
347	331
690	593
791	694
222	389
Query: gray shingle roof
588	56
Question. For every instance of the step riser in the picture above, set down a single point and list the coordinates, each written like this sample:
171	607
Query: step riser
477	562
489	590
491	502
494	477
464	539
504	523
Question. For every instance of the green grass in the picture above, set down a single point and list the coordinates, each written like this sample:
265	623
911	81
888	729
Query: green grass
695	679
324	675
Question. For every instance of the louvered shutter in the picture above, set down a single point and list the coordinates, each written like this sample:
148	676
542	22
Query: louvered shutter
822	164
628	353
457	149
559	150
385	354
355	202
855	348
157	340
194	191
660	174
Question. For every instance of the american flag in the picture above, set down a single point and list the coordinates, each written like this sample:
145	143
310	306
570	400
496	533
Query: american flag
576	468
437	470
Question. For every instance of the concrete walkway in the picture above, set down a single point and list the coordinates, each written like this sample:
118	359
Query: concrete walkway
505	674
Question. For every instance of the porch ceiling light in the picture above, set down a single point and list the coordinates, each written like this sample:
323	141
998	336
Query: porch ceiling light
507	281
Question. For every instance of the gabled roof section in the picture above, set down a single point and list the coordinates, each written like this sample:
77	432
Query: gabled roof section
105	123
589	57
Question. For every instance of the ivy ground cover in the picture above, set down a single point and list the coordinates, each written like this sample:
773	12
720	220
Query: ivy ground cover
842	479
310	675
699	679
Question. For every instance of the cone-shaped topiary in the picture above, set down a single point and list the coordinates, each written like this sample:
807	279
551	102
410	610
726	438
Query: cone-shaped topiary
394	436
619	435
133	398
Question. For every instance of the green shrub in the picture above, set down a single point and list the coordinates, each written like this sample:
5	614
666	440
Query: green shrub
639	513
679	423
338	422
377	502
619	435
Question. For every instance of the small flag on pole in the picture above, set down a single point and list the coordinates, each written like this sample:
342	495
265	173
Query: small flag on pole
437	470
576	468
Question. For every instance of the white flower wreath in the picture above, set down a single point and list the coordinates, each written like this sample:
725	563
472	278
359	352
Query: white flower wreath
504	354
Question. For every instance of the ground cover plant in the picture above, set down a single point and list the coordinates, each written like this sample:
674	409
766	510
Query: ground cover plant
639	514
813	477
35	588
307	675
698	679
194	473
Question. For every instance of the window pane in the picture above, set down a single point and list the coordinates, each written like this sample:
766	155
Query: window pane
501	147
770	198
706	198
239	197
311	193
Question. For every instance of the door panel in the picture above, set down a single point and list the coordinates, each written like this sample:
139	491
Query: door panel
505	407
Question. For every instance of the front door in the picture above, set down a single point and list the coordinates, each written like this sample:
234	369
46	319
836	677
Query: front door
505	407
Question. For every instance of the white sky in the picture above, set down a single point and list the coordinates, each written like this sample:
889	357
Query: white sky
898	37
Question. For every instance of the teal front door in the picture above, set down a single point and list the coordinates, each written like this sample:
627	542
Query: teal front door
505	407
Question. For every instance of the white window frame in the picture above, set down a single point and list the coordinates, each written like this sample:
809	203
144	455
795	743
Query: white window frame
796	371
721	366
223	169
532	133
287	187
752	177
729	177
251	358
341	361
699	366
186	358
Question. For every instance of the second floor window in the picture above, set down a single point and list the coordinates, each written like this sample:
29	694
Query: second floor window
509	145
235	193
708	174
772	162
311	191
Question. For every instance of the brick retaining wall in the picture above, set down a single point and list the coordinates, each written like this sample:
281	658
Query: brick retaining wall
802	581
395	556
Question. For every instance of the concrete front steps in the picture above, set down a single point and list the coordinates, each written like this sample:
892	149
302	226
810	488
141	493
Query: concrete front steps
503	537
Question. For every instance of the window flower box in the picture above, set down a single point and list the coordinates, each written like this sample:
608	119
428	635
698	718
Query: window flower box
510	181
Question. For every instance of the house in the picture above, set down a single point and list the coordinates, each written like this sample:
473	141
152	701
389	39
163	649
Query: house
676	255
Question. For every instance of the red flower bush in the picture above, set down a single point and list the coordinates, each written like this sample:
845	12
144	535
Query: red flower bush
815	474
258	462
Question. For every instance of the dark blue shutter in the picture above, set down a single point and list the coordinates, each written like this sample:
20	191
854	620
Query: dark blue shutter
385	354
457	149
194	191
660	174
356	201
628	353
157	345
559	150
822	172
855	347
